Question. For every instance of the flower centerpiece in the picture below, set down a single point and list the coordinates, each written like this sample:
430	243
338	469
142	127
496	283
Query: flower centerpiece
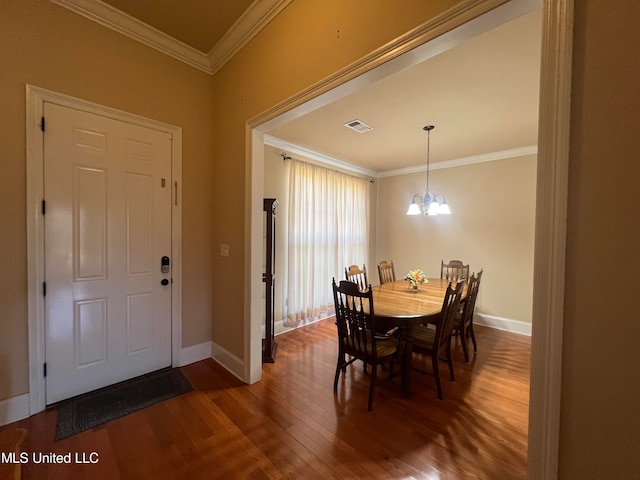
416	277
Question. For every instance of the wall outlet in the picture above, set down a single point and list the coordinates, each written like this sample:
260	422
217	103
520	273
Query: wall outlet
224	250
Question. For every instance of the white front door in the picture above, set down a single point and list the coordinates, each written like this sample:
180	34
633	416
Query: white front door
107	187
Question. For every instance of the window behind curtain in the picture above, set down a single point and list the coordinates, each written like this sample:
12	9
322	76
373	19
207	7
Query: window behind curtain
328	230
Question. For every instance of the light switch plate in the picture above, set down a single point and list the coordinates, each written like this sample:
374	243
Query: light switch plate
224	250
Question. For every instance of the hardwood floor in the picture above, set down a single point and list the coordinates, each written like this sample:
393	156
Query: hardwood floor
291	425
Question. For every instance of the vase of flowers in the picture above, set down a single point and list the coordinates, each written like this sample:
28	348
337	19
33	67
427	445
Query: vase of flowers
415	278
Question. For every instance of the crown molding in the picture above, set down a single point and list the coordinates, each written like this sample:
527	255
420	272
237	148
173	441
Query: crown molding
294	149
252	21
459	162
120	22
318	157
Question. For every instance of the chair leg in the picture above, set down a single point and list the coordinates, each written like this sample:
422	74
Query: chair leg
391	366
463	340
335	380
436	374
450	362
341	366
374	369
473	337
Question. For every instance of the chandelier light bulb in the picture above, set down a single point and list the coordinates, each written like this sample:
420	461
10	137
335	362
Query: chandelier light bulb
428	204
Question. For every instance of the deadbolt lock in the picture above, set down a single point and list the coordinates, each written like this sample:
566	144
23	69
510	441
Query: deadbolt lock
165	264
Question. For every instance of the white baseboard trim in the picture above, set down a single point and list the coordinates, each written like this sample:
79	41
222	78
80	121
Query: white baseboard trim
14	409
195	353
228	361
500	323
279	326
514	326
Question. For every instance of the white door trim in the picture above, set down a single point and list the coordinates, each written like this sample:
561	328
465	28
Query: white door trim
551	207
554	127
36	97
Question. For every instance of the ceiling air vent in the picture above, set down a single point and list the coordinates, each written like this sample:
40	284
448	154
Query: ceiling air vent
358	126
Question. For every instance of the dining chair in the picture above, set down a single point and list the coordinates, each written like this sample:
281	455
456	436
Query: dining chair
357	275
355	319
464	328
454	270
433	342
386	272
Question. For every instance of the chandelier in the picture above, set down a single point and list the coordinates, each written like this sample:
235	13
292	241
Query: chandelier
429	203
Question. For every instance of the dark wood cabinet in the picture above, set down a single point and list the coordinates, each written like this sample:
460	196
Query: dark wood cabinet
269	345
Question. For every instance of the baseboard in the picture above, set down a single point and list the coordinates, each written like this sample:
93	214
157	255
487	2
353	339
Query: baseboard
195	353
228	360
514	326
500	323
14	409
279	326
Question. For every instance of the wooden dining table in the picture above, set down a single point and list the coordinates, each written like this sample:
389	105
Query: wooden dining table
395	305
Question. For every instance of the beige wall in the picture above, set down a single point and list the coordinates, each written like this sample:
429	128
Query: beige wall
492	227
600	417
329	35
46	45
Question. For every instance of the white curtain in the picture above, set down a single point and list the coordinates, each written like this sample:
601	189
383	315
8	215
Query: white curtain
328	230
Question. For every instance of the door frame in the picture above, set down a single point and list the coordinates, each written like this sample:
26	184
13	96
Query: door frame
35	99
551	202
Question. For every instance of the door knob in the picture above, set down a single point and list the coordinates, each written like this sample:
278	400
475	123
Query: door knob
164	282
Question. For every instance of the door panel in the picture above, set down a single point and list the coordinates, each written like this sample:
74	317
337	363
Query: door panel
139	212
107	225
89	223
139	323
90	328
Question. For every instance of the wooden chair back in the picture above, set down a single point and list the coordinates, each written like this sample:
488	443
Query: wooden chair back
470	301
454	270
450	315
465	327
357	275
386	272
426	342
355	321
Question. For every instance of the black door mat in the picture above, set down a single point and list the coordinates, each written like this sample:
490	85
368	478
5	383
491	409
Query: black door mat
95	408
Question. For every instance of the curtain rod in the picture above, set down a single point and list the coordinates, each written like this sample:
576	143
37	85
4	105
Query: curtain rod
285	157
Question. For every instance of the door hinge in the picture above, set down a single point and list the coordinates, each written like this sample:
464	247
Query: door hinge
42	124
45	369
44	207
44	289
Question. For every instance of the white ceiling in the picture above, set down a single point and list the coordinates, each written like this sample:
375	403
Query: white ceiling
482	96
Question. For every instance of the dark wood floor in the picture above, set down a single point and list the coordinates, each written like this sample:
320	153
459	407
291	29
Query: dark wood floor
290	425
